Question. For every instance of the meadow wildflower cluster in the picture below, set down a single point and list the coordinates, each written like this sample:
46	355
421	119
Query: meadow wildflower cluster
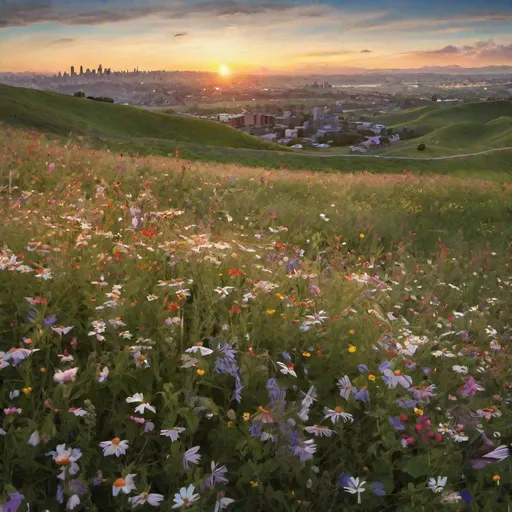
191	336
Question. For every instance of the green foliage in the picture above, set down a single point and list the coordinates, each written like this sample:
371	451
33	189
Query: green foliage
103	99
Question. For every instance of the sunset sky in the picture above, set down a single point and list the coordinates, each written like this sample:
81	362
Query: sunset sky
253	36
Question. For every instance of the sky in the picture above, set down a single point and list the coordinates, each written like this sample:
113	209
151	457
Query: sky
271	36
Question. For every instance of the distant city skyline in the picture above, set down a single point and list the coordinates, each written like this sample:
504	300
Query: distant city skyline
253	36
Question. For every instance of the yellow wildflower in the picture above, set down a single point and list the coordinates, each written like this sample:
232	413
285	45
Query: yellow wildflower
200	372
306	354
352	349
371	377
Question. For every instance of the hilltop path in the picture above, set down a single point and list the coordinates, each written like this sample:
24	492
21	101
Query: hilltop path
386	157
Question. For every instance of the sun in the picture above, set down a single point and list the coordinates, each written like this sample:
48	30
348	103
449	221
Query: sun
224	70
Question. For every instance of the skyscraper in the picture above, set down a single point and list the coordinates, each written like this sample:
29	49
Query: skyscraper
72	70
100	69
81	70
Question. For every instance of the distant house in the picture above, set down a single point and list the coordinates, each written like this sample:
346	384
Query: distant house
269	137
371	141
357	149
291	133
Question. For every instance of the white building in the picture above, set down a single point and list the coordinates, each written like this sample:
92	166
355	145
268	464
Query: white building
291	133
318	113
269	137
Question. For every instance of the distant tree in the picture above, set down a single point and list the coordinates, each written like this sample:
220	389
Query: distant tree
422	147
104	99
435	98
79	94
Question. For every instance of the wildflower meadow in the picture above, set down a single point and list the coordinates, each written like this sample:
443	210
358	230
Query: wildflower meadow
207	337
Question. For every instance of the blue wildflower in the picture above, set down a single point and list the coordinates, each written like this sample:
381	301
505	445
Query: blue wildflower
238	389
362	395
273	390
362	368
49	320
378	489
407	404
384	366
344	479
255	429
395	421
287	357
14	502
466	496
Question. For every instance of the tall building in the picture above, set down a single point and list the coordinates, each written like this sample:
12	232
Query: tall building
81	70
100	69
72	70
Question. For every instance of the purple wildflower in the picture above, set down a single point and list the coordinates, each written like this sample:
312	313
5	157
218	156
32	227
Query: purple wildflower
470	386
395	421
466	496
49	320
274	391
14	502
407	404
384	366
217	476
255	429
378	489
226	363
291	265
362	395
423	395
287	357
362	368
343	480
60	494
238	389
77	487
191	456
305	450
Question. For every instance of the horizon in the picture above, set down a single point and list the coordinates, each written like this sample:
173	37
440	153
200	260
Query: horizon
241	37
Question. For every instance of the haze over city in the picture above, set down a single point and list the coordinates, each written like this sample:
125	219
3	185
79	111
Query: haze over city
253	36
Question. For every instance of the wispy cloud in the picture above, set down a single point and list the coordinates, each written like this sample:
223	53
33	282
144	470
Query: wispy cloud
366	51
390	21
28	12
328	53
487	50
180	34
63	40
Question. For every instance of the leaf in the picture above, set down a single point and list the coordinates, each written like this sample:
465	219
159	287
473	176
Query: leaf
415	467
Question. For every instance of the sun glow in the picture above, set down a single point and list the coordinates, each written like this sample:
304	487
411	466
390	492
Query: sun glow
224	70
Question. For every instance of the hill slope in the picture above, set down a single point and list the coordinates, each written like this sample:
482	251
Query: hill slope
437	115
61	114
131	130
448	130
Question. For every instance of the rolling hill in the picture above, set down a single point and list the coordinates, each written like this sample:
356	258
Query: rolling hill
61	115
447	130
453	131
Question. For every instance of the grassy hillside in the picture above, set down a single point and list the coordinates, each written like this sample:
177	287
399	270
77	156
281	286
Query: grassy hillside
450	130
438	115
131	130
60	114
